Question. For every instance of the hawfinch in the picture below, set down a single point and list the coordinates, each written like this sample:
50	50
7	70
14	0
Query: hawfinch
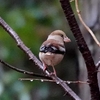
53	49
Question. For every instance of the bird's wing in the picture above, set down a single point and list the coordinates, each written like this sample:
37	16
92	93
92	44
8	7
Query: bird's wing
52	46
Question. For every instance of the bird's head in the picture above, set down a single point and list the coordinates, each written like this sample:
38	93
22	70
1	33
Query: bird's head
59	35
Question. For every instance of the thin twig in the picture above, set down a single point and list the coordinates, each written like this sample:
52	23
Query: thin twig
46	80
98	65
23	71
88	29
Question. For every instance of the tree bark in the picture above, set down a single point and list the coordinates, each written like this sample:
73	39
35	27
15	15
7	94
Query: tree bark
83	48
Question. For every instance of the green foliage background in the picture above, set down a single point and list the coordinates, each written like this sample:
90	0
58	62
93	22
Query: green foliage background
33	20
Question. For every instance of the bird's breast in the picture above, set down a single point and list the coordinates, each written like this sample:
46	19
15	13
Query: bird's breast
50	59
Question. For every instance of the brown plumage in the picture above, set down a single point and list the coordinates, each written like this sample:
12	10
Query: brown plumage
53	49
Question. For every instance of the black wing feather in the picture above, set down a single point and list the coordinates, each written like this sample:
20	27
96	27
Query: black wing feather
51	48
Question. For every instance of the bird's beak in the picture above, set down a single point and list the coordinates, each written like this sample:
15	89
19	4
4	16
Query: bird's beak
66	39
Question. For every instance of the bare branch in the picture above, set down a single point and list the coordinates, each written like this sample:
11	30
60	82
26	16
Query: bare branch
20	43
23	71
94	88
88	29
98	65
46	80
32	57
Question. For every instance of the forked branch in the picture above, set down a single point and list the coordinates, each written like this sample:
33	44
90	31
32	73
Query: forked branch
32	57
91	67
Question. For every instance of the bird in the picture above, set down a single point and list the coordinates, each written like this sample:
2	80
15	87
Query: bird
53	49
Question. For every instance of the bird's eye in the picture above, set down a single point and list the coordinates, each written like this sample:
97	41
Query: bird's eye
61	35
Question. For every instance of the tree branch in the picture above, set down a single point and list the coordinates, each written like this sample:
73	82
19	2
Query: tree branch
87	28
98	65
23	71
32	57
46	80
91	68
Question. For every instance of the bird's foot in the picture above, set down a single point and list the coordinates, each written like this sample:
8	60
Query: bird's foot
53	73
